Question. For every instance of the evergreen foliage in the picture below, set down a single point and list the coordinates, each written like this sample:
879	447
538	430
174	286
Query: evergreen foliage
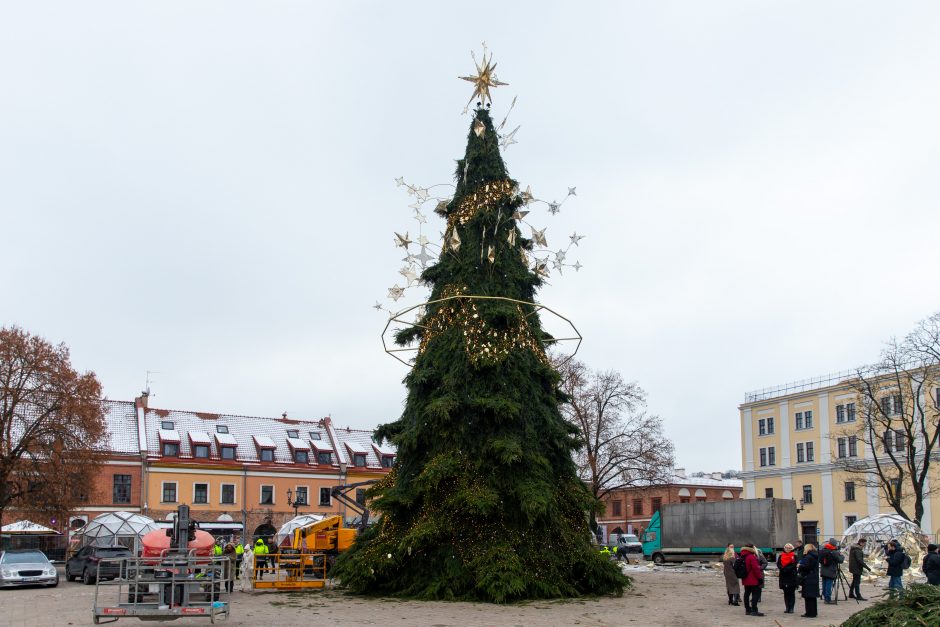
484	502
920	606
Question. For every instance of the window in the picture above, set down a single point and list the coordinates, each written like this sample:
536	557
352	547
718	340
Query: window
810	453
228	494
359	459
122	489
302	496
169	492
841	447
200	493
221	428
895	487
701	499
314	435
853	446
228	452
325	497
850	412
267	495
361	496
850	520
900	441
840	413
808	419
763	457
168	425
808	494
387	461
171	449
768	456
267	455
684	499
798	420
765	426
657	504
770	425
849	490
637	507
301	457
617	505
293	433
891	405
800	454
888	439
768	493
324	457
201	450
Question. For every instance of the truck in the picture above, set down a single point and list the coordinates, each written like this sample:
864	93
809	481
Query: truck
683	532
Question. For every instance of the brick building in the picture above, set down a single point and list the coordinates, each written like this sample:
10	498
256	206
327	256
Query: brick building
629	510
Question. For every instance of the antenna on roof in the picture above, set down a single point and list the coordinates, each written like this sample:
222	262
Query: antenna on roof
146	391
284	415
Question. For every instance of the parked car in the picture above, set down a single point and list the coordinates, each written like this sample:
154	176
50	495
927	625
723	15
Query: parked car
87	565
27	567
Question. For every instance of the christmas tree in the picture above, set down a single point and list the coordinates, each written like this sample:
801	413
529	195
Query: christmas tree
484	502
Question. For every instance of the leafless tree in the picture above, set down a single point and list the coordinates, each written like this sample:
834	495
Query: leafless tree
623	446
52	428
897	418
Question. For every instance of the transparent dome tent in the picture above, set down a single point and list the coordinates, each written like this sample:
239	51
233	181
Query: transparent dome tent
287	529
115	528
878	529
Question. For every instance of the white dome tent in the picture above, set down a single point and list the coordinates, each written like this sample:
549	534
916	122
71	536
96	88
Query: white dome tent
118	528
877	530
288	528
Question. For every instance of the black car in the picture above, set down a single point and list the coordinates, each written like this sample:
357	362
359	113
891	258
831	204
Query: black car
87	564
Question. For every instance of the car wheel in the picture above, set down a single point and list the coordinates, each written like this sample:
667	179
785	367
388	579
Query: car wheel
659	559
87	578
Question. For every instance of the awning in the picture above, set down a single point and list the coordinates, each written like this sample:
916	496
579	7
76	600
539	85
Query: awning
27	527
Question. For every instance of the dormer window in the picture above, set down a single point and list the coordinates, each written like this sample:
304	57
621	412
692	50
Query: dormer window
169	442
168	425
359	459
227	452
267	455
221	428
324	457
265	446
293	433
171	449
388	461
316	436
201	450
302	457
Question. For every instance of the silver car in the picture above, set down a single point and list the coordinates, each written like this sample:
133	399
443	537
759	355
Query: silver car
27	567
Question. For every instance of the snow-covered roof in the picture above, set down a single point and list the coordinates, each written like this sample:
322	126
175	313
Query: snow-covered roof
199	437
355	447
322	445
27	527
383	449
263	441
226	439
168	435
298	444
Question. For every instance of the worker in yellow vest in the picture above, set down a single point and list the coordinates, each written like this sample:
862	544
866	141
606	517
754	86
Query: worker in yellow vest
239	555
261	558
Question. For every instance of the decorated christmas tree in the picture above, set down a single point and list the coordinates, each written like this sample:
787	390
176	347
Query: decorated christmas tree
484	502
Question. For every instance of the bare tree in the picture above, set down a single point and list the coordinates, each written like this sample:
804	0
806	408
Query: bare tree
898	418
623	446
52	427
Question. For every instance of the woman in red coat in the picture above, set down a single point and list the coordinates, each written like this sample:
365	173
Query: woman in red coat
753	581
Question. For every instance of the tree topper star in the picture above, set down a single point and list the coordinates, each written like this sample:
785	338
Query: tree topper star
484	79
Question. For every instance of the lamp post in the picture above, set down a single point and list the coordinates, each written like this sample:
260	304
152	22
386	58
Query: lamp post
300	502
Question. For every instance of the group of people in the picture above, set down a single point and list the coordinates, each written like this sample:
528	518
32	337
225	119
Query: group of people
235	552
802	567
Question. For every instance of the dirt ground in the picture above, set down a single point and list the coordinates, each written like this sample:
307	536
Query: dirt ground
672	596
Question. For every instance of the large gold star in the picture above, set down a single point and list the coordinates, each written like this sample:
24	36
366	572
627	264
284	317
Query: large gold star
484	79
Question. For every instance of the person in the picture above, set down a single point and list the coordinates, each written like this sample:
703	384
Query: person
732	584
856	566
261	557
808	571
228	567
829	559
798	550
895	558
605	551
786	566
248	568
239	556
753	581
272	559
217	547
931	564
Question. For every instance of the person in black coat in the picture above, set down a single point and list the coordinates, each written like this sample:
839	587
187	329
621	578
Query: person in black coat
931	565
808	571
786	566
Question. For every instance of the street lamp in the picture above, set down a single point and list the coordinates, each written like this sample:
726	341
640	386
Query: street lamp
300	502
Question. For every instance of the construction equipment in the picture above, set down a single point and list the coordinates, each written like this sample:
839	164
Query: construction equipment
341	492
172	579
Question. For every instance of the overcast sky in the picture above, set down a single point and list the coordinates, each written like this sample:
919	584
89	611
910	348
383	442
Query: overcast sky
206	189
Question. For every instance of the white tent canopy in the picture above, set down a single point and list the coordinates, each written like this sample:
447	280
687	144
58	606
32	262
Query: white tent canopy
117	528
26	527
288	528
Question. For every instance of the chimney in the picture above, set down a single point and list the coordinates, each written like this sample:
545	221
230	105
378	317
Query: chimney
141	401
717	476
680	472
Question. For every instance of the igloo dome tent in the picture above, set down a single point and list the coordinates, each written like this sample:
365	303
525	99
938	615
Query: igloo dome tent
118	528
878	529
286	531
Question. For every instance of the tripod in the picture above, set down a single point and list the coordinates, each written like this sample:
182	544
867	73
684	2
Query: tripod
841	581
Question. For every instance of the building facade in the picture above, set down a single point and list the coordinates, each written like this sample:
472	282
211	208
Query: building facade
795	439
629	510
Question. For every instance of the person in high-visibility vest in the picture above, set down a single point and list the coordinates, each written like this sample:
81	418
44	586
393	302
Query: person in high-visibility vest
261	558
605	551
239	555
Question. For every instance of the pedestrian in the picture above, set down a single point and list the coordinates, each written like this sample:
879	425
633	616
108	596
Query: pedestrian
829	559
753	581
786	566
228	567
248	568
261	558
808	571
896	559
856	566
732	585
798	550
931	564
273	560
239	556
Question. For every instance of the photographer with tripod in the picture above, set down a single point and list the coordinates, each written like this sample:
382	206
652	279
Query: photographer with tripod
829	560
856	566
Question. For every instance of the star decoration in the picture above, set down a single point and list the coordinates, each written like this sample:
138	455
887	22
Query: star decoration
539	237
577	266
416	205
423	258
441	208
422	240
422	193
479	128
484	78
454	241
518	215
491	253
409	274
395	292
554	208
557	265
402	240
410	259
377	306
508	139
399	181
420	217
511	238
541	268
571	191
560	256
575	238
527	196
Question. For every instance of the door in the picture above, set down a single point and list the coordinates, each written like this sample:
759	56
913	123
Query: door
808	531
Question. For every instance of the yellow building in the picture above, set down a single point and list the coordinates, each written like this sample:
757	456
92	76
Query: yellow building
795	439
